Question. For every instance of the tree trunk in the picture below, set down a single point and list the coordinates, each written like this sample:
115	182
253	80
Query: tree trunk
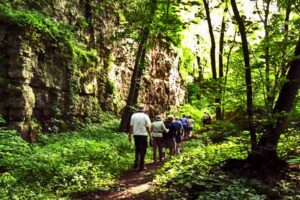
137	72
286	28
284	104
200	73
213	58
124	125
221	74
281	73
269	103
247	74
264	161
213	43
138	82
226	72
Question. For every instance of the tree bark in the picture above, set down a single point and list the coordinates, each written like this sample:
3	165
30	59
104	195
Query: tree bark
248	76
137	72
139	76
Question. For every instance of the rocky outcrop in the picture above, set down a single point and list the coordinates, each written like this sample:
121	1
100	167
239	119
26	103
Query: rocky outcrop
44	82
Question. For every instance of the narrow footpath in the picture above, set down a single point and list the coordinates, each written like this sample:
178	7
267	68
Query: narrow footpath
132	185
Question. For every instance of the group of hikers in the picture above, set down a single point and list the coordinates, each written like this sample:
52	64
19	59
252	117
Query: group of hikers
163	134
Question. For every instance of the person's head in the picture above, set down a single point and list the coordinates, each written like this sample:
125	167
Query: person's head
190	117
170	118
157	118
183	116
177	118
140	108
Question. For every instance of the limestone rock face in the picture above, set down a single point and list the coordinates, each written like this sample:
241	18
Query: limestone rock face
41	85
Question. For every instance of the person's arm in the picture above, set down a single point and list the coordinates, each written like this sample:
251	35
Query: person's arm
149	132
164	127
130	129
148	127
130	133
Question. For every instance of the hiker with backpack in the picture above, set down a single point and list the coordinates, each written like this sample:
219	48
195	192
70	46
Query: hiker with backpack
178	137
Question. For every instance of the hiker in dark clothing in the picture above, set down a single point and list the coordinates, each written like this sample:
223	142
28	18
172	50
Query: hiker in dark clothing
206	119
169	137
179	128
184	125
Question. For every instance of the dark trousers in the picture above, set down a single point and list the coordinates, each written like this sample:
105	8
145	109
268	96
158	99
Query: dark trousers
140	142
157	144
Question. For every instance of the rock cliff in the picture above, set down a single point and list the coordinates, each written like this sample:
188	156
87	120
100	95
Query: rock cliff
57	76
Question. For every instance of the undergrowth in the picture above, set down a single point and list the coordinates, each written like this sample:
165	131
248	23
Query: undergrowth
197	174
62	164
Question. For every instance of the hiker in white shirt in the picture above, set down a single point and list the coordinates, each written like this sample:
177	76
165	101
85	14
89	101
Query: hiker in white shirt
140	125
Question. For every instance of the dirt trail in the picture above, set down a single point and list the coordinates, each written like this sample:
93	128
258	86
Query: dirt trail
132	185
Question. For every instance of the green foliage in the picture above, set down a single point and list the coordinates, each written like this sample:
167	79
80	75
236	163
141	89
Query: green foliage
166	23
289	143
186	69
191	169
196	173
64	163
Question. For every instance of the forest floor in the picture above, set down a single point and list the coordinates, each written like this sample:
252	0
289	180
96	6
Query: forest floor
132	185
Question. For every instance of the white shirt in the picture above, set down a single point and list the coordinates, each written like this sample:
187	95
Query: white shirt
139	121
158	127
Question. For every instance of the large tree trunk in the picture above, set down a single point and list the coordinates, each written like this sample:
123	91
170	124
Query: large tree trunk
137	72
213	58
124	125
247	74
138	81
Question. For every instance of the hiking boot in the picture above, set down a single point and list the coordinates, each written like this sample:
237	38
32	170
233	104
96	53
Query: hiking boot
142	169
135	166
